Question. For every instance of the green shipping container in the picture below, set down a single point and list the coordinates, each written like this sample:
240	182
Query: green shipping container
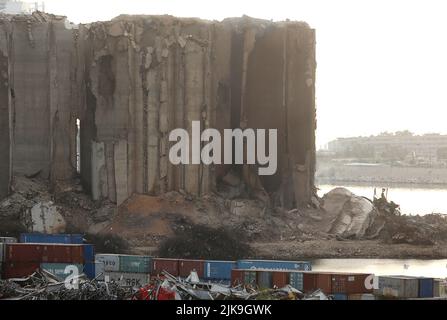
60	269
135	264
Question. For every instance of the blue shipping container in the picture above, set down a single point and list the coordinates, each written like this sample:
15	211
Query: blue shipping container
274	265
426	287
51	238
89	253
93	269
219	270
340	296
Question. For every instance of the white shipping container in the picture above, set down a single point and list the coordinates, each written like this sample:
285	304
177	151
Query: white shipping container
440	288
361	296
8	240
128	279
99	270
398	287
111	261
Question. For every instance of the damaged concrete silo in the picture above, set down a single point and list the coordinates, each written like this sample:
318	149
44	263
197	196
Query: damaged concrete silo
132	80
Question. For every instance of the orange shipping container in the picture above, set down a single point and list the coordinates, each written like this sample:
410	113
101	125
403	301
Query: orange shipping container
19	269
169	265
237	277
50	253
186	266
350	283
313	281
280	279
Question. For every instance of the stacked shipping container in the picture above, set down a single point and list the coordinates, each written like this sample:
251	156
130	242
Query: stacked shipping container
130	270
330	283
22	259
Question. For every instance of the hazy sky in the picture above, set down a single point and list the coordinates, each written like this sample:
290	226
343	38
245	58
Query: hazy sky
382	65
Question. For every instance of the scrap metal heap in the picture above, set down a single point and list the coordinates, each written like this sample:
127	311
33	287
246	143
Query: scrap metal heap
126	83
43	285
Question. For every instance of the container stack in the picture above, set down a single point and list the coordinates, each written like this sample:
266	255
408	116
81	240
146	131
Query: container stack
22	259
60	269
342	286
128	270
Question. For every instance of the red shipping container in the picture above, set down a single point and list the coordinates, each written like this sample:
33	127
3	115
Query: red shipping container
50	253
349	283
19	269
237	277
22	252
168	265
186	266
313	281
280	279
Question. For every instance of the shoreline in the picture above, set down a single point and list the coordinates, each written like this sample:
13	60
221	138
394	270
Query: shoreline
352	249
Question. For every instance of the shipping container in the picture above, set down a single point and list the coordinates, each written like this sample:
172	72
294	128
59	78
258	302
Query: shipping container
128	279
186	266
111	261
89	253
2	252
317	280
8	240
219	270
169	265
51	238
398	287
19	269
135	264
250	277
350	283
340	296
51	253
361	296
280	279
237	277
425	287
63	270
89	269
94	269
440	288
99	271
265	279
296	280
274	265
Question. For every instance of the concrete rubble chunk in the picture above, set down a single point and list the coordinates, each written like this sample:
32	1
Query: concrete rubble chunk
351	215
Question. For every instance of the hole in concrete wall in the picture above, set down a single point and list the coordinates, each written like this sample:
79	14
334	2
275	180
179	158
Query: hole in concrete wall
78	146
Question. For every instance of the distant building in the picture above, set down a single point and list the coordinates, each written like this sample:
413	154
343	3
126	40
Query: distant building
401	146
20	7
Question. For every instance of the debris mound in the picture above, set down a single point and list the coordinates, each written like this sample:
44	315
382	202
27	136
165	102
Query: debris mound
204	242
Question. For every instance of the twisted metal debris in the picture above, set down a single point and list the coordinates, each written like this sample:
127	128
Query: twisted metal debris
42	285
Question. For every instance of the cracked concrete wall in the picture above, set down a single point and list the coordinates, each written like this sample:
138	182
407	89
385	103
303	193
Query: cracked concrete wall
5	113
47	92
132	80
